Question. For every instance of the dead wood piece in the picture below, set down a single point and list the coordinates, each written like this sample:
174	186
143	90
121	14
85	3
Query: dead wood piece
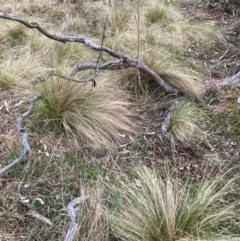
129	62
39	217
26	152
73	216
166	124
234	80
24	135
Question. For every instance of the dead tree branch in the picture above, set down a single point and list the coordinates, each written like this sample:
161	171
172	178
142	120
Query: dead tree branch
24	135
26	153
129	62
112	65
234	80
73	216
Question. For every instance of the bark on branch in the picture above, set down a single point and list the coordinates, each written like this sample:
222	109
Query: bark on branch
234	80
126	61
73	216
24	135
26	153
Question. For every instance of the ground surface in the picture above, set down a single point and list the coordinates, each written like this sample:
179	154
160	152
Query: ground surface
147	146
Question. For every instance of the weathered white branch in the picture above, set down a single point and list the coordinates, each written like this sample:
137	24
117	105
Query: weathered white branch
128	62
26	152
73	216
24	135
111	65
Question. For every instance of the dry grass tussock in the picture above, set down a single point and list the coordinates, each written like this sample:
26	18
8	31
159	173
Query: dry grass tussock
141	83
161	13
153	209
170	73
187	123
94	117
92	223
18	71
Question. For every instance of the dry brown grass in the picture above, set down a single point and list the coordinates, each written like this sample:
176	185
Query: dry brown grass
92	221
152	208
95	117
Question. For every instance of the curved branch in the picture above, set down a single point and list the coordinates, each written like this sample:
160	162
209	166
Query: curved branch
26	152
73	216
128	62
24	135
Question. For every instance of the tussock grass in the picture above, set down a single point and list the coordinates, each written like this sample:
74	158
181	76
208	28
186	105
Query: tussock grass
162	13
94	117
187	123
184	33
160	63
13	33
17	32
118	19
153	209
183	82
19	71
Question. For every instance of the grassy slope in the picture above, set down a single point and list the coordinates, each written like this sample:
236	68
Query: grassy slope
60	168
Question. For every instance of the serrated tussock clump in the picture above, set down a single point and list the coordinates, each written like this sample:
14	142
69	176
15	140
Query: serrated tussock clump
157	209
95	117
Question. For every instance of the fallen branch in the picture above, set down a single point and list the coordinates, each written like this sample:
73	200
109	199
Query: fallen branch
26	152
166	124
73	216
128	62
24	135
234	80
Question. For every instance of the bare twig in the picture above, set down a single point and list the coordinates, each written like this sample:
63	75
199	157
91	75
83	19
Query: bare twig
112	65
73	216
57	75
91	44
222	55
39	217
99	56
